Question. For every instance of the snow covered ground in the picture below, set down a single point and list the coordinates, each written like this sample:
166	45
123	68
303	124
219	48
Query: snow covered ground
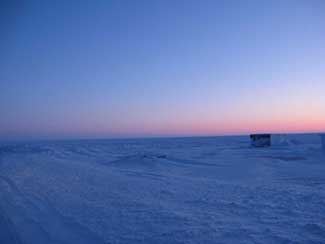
185	190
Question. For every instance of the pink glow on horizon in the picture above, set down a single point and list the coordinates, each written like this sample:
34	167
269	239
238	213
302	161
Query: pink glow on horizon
209	128
175	127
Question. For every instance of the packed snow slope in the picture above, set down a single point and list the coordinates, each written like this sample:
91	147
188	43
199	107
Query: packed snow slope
185	190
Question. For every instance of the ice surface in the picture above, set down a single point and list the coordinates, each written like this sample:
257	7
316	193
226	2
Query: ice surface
182	190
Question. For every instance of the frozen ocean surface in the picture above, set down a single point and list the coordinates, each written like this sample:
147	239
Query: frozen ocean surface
181	190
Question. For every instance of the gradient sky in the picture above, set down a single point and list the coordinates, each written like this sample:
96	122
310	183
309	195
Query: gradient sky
82	69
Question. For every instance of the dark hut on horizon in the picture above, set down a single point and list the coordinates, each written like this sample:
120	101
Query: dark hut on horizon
260	140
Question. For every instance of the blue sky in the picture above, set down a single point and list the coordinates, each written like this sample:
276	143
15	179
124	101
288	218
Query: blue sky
82	69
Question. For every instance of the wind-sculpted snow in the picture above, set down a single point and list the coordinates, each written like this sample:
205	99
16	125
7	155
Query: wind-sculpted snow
192	190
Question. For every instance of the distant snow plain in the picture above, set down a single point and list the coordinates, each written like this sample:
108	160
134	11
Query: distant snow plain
177	190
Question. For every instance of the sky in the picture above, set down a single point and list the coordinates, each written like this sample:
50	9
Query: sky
107	69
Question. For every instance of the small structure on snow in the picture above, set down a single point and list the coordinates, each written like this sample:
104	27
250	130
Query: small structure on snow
260	140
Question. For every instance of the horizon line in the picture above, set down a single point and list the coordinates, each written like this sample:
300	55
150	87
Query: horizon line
155	136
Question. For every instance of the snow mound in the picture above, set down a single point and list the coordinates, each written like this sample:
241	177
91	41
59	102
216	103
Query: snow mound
288	140
323	141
